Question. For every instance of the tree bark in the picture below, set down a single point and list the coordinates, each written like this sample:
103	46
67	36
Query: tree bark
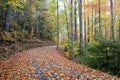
112	20
95	32
92	33
57	26
72	36
88	29
80	25
119	30
84	26
99	25
66	20
7	23
106	31
85	31
75	19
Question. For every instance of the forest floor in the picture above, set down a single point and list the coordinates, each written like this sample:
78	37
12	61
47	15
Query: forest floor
46	63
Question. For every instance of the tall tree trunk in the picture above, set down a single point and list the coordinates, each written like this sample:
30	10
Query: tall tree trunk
88	29
32	29
112	20
99	25
37	29
7	23
84	26
37	20
57	26
85	31
106	31
119	30
72	36
75	19
88	26
80	25
25	20
30	21
66	20
95	24
92	28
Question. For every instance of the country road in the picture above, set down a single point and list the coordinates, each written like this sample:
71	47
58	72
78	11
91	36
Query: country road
46	63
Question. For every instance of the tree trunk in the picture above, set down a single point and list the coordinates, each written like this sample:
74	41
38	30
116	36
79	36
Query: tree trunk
7	23
99	25
37	20
75	19
36	28
106	31
92	28
85	31
119	30
84	27
95	32
112	20
80	24
72	36
88	29
88	26
57	26
66	20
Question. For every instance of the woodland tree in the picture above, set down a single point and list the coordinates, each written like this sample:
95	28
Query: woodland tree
112	20
80	24
72	36
57	25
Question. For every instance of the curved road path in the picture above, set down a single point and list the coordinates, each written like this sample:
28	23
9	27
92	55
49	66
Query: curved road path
46	63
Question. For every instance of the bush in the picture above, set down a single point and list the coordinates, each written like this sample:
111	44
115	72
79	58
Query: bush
17	35
25	33
13	35
67	48
7	36
104	55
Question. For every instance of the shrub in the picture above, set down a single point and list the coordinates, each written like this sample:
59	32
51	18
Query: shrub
67	48
25	32
7	36
104	55
17	35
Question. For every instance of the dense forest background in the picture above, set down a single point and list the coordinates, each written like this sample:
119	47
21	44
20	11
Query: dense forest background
25	24
87	30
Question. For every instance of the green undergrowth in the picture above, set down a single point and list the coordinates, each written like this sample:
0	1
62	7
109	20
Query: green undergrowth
101	54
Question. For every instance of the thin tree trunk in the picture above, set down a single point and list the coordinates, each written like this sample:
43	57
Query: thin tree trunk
25	21
37	20
106	31
66	20
37	29
99	25
84	27
88	29
85	31
32	30
72	36
95	25
119	30
92	28
75	19
80	24
88	26
7	23
95	31
57	26
112	20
